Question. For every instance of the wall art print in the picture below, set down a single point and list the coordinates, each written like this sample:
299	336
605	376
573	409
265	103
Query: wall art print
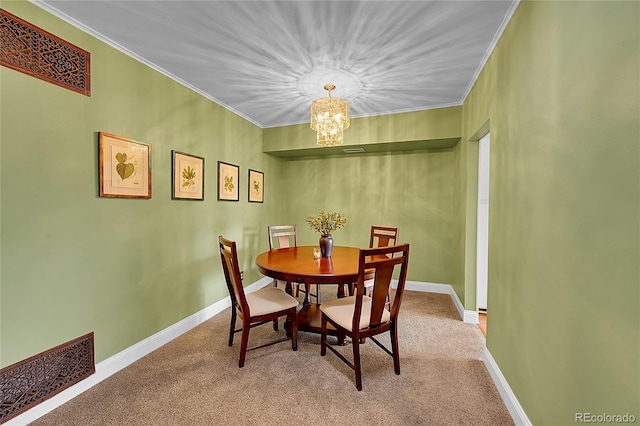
256	186
187	176
228	182
125	167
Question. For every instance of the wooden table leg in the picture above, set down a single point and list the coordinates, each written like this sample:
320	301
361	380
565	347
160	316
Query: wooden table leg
307	290
342	292
288	288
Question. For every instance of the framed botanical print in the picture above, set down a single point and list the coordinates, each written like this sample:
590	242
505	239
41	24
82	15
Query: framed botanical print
256	186
228	182
125	167
187	176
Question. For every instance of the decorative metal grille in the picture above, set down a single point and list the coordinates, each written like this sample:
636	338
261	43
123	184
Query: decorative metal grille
32	50
38	378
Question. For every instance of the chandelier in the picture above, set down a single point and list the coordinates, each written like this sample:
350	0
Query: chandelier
329	118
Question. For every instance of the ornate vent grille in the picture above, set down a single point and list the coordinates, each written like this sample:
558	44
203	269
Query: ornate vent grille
32	50
36	379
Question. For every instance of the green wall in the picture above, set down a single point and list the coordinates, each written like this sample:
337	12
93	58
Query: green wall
560	97
413	191
561	94
73	262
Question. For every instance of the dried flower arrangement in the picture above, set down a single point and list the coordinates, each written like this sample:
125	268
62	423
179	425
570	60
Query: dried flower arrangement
326	222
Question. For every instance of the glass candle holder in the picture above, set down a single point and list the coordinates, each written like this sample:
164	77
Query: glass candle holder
317	253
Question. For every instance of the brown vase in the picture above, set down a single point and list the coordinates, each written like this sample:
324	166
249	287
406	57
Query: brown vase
326	245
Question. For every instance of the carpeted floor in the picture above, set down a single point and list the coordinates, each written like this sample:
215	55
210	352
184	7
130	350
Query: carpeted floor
195	379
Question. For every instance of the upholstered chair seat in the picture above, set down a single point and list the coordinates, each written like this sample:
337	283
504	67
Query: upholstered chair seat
341	311
268	300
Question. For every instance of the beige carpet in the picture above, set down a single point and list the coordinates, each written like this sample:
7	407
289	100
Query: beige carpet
195	379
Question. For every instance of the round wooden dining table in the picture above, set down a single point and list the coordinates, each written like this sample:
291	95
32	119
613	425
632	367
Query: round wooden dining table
298	265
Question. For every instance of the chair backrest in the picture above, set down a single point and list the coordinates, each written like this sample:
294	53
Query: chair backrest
282	236
232	274
383	236
383	261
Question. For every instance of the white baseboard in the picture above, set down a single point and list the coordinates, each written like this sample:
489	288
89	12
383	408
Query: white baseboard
117	362
515	409
508	397
133	353
470	317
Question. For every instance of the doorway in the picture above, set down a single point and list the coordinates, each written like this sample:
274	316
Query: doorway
482	249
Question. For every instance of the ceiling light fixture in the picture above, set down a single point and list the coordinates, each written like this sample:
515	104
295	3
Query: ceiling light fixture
329	118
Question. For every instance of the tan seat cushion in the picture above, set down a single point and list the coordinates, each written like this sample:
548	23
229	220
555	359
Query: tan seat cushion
341	311
268	300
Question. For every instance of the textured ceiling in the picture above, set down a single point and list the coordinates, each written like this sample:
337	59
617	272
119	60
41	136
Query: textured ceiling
267	60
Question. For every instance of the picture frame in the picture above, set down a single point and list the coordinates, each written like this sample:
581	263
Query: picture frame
228	182
187	176
255	186
125	167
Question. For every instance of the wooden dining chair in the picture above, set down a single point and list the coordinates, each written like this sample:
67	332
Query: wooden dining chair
285	236
256	308
361	316
383	236
380	236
